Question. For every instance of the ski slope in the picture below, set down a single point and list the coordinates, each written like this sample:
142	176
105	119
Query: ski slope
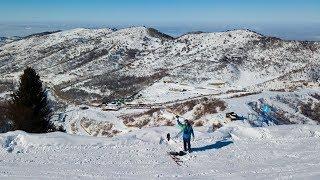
236	151
164	75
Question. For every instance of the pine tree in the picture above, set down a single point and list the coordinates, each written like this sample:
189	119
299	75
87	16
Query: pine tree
5	125
29	106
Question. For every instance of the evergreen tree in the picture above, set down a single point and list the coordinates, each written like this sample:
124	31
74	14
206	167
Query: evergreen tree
29	106
5	125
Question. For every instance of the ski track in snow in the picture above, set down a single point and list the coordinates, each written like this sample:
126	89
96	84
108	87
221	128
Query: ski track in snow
280	152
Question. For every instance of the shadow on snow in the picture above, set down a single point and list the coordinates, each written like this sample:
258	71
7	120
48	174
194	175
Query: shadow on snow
217	145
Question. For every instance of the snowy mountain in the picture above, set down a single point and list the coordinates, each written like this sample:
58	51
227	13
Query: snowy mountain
4	40
158	76
128	85
83	64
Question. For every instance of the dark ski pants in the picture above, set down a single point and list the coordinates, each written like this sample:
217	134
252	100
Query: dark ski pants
186	144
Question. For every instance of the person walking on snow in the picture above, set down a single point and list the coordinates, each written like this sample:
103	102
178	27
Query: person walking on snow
187	132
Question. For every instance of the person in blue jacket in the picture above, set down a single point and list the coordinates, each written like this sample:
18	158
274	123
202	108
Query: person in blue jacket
187	132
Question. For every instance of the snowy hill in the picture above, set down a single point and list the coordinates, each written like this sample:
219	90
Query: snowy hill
84	64
125	87
237	151
200	76
4	40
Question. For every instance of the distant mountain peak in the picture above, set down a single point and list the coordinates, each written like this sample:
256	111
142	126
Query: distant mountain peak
89	63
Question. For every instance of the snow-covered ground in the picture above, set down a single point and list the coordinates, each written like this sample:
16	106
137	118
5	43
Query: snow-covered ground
84	64
154	77
167	92
236	151
159	106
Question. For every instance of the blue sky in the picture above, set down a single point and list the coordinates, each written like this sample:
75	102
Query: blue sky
191	14
161	11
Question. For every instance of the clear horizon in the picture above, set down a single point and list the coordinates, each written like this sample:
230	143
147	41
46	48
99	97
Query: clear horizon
288	32
287	19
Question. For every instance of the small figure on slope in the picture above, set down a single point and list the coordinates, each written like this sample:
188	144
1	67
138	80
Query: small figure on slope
187	132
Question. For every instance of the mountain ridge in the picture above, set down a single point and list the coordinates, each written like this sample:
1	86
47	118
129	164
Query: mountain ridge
154	29
87	62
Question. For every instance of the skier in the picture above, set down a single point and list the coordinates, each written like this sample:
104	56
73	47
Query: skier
187	132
